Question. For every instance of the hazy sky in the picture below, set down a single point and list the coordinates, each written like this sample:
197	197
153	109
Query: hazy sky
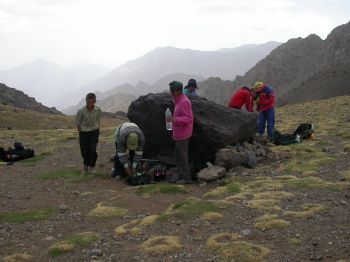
111	32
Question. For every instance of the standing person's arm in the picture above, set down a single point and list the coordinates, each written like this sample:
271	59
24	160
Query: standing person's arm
186	116
99	115
249	103
121	152
78	120
230	104
138	152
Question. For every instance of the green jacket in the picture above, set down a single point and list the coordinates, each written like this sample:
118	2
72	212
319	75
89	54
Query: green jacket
88	120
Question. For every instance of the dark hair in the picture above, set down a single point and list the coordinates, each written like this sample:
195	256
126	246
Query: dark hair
175	86
192	83
90	96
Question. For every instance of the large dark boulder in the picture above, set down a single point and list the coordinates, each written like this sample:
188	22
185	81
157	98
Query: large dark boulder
215	127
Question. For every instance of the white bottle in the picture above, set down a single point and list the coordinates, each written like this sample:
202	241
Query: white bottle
169	124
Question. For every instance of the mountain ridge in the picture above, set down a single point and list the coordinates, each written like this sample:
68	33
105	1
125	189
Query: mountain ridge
293	67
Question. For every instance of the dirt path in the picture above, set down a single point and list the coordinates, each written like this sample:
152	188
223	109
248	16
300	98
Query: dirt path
295	209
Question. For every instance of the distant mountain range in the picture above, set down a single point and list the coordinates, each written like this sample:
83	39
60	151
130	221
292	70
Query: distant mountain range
48	82
163	61
120	97
302	69
152	72
15	98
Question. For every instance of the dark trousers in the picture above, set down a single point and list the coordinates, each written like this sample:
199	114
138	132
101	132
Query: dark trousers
119	169
269	117
88	143
181	155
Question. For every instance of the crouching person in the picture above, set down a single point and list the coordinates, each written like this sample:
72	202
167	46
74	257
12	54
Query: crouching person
129	141
182	132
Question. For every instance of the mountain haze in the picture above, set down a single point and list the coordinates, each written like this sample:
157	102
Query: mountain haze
46	81
163	61
15	98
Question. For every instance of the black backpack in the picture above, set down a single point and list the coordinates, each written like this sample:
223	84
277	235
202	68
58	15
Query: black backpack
304	131
16	154
139	179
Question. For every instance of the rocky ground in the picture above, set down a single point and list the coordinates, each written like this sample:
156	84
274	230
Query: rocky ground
293	207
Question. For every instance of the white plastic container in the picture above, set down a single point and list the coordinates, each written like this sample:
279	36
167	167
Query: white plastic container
169	124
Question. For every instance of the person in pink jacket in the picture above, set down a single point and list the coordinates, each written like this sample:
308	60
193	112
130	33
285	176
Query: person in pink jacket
182	132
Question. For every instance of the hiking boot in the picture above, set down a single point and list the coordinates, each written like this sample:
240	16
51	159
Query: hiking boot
84	171
185	182
92	170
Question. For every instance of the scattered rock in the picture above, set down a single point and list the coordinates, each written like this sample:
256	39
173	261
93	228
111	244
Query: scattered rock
49	238
62	208
343	202
229	157
246	232
251	160
95	252
211	173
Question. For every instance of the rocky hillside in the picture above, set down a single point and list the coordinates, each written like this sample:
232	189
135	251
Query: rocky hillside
216	89
15	98
321	66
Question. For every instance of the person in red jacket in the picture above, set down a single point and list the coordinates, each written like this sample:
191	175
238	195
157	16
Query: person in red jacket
242	97
265	100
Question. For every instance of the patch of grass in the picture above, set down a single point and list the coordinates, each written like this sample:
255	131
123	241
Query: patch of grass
270	222
212	216
107	211
263	184
191	207
309	173
278	195
73	242
23	216
229	188
164	217
309	211
269	205
135	226
308	165
160	188
223	239
346	175
69	175
238	197
149	220
18	257
131	227
313	183
230	248
346	148
294	241
161	245
215	192
32	161
233	188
